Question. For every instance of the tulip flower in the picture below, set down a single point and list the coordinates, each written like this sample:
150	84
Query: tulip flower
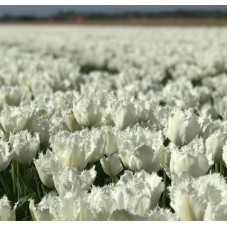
147	187
46	166
41	126
110	138
70	121
216	212
72	180
14	119
182	128
102	201
215	143
141	149
24	146
111	165
187	204
13	96
46	210
124	114
93	110
191	159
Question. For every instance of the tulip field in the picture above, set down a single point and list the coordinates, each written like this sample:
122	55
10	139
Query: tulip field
113	123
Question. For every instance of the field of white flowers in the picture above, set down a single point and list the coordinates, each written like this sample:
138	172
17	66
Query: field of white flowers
120	123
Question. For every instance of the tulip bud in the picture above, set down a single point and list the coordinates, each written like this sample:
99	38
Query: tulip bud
110	138
182	127
111	165
24	146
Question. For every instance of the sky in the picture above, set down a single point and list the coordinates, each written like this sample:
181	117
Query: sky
43	10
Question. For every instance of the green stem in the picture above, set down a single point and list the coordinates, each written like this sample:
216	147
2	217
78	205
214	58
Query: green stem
14	176
221	168
115	179
216	167
18	183
43	189
24	187
164	193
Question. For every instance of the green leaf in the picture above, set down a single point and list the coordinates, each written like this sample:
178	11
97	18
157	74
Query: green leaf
6	187
27	186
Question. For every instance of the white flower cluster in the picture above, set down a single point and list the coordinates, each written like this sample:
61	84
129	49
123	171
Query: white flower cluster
86	105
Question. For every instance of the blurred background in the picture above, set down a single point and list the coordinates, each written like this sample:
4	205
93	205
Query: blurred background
186	15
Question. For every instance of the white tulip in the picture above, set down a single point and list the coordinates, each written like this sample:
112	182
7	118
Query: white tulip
182	127
95	144
6	212
187	204
93	110
46	210
73	149
141	148
13	96
208	127
138	193
70	121
24	146
46	166
191	159
5	155
73	181
216	212
208	110
211	188
161	215
111	165
76	207
14	119
102	201
124	114
215	143
110	138
190	197
41	126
